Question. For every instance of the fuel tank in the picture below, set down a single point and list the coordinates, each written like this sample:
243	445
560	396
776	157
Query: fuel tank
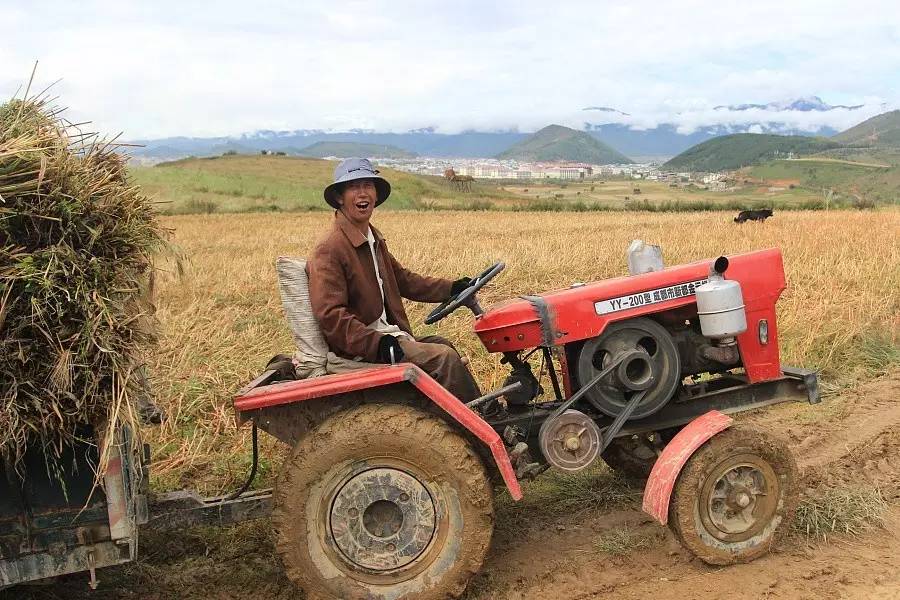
581	312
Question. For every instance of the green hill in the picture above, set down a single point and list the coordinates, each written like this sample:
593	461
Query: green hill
745	149
841	171
345	149
558	143
880	131
247	183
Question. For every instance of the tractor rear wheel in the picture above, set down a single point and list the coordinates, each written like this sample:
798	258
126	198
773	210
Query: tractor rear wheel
735	497
383	501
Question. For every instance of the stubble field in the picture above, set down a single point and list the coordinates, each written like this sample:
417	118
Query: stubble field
221	315
221	320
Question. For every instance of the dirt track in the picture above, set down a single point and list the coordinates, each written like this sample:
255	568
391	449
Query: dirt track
849	441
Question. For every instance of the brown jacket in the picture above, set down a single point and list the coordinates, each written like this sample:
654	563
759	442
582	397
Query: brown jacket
344	292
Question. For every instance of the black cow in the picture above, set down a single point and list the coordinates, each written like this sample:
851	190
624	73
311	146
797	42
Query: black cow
753	215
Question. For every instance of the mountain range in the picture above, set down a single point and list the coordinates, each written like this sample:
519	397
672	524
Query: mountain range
805	104
617	129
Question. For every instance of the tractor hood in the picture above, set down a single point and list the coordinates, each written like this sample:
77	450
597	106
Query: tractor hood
583	311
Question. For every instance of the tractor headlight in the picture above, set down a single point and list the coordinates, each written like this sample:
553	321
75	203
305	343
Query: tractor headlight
763	332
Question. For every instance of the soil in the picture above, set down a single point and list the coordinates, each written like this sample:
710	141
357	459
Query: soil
849	441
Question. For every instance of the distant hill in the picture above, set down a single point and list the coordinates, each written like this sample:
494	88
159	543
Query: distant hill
255	182
558	143
745	149
345	149
880	131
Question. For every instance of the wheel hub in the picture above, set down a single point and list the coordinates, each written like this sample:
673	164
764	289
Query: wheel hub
382	519
740	501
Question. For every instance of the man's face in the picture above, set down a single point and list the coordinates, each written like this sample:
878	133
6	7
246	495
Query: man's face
357	200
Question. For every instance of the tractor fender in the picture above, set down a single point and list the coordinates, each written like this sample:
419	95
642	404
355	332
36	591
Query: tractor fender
674	456
281	394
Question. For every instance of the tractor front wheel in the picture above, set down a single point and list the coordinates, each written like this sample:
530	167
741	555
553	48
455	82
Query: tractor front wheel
735	497
383	501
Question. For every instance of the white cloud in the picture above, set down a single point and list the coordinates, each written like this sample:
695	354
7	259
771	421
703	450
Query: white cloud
183	68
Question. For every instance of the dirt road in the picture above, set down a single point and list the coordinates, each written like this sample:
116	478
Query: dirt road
850	441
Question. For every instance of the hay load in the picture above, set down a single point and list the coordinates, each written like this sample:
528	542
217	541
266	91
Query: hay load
76	242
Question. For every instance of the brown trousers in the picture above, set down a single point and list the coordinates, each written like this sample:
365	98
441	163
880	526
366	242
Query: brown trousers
437	357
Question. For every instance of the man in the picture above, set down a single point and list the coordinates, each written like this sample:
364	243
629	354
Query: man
356	285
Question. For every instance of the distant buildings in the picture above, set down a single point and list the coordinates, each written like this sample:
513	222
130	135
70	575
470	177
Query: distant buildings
489	168
510	170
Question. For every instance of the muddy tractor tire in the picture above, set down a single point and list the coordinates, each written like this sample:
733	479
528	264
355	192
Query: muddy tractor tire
735	498
383	501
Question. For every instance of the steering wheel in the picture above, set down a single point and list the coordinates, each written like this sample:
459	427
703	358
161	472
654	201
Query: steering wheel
465	297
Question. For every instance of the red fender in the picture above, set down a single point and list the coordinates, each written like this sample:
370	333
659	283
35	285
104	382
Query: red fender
330	385
673	458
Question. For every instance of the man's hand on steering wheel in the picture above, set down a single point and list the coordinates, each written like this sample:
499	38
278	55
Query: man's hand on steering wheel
459	285
462	293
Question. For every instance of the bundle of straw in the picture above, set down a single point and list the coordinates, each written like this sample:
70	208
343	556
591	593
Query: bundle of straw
76	241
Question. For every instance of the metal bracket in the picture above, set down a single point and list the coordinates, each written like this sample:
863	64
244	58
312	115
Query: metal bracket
543	311
84	538
495	394
810	381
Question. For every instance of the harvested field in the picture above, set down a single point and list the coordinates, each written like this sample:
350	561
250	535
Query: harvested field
579	536
222	319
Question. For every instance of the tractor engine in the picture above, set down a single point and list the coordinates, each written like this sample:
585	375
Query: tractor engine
656	355
643	334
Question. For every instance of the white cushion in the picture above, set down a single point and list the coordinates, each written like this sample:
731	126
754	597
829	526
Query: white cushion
312	349
312	358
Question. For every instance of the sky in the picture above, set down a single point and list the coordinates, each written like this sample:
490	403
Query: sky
164	68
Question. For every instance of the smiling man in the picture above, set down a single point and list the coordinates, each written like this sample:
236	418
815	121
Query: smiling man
356	286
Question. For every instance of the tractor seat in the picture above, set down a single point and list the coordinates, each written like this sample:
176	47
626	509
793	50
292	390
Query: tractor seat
312	357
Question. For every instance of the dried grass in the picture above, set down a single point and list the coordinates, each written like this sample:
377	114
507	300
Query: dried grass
76	240
840	511
623	540
223	320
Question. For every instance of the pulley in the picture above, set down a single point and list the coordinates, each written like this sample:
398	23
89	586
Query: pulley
649	363
571	441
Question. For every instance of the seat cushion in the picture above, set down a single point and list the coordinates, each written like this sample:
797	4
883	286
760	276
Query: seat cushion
293	284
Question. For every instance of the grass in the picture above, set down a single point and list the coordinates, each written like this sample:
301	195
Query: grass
242	183
623	540
222	319
741	149
556	493
848	175
840	511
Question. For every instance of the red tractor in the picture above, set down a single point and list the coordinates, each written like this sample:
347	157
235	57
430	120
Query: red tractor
388	490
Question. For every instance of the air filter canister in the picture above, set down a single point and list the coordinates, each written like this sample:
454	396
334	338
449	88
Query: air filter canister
720	305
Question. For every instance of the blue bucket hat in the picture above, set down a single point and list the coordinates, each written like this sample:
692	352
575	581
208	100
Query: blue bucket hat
351	169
